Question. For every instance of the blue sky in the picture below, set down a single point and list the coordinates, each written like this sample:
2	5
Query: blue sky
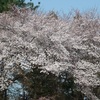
67	5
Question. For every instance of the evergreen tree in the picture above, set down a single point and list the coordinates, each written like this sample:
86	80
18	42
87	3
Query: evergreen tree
5	5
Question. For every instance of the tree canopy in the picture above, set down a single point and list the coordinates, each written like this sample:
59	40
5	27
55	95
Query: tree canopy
5	5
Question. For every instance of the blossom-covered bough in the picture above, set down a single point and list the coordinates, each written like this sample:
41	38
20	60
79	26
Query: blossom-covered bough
53	43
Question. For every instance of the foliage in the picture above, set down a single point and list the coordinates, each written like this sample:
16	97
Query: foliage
5	5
